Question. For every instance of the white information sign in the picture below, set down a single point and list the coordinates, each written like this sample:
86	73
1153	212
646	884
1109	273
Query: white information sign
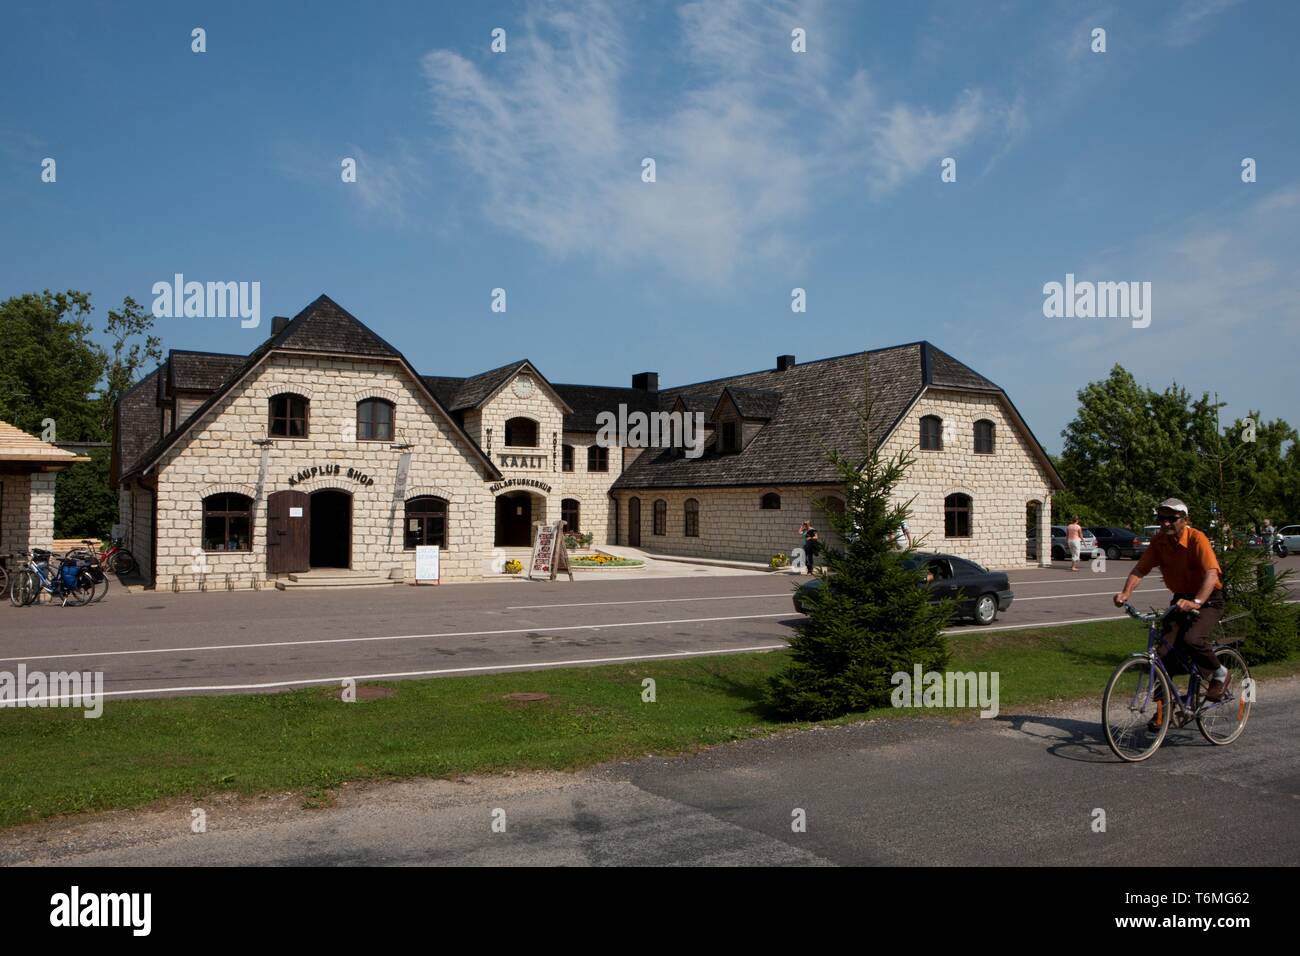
426	562
295	512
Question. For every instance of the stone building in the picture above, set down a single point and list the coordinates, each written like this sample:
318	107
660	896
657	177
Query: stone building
325	448
28	467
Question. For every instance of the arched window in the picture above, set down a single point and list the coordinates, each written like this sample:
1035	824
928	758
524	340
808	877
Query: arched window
521	433
288	416
374	420
597	458
570	513
661	517
770	502
426	522
227	523
931	433
983	437
956	516
692	509
567	451
830	505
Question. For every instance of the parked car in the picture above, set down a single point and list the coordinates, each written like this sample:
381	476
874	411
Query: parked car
980	593
1290	536
1119	542
1061	550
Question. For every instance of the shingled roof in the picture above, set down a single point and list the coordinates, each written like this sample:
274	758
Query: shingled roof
201	371
18	446
588	401
812	413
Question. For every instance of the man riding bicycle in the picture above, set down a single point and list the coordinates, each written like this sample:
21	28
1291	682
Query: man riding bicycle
1191	570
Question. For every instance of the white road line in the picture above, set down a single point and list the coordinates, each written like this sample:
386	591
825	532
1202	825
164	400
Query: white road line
446	670
1057	597
396	637
976	629
728	597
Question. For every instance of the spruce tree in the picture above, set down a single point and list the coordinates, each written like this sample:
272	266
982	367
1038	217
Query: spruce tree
871	617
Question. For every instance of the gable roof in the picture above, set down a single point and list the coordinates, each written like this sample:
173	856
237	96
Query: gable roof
753	402
813	408
323	326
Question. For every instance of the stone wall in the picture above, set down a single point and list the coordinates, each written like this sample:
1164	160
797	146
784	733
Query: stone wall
1000	485
732	525
15	514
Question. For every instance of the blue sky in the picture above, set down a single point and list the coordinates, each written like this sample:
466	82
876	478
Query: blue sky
775	170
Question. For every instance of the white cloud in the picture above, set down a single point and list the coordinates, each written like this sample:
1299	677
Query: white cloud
753	138
1193	19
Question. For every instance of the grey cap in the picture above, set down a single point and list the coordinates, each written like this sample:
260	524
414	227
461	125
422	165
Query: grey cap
1172	504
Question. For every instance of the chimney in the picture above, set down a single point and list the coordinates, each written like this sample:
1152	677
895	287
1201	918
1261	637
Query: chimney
278	322
784	362
646	381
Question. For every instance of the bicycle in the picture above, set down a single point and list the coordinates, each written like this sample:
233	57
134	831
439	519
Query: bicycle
38	579
115	559
1141	692
90	558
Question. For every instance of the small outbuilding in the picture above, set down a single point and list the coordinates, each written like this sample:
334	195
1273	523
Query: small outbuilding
27	470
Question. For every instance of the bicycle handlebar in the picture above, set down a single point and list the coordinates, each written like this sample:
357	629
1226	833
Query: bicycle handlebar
1154	614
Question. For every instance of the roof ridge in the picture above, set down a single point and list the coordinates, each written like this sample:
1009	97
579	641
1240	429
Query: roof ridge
829	358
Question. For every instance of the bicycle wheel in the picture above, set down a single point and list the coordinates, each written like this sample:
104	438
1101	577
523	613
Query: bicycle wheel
123	562
1138	691
101	582
1221	723
22	590
84	592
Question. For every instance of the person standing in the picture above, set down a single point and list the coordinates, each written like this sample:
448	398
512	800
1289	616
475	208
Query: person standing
903	539
1268	534
811	546
1074	541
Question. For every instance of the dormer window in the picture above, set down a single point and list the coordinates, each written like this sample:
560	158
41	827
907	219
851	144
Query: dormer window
730	440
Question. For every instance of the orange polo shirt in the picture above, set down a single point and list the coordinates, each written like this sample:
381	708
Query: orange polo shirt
1182	560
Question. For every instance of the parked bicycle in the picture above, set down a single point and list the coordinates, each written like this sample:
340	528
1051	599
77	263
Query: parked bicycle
1141	702
114	559
68	582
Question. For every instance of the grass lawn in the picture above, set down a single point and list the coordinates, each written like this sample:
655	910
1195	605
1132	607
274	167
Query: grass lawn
139	751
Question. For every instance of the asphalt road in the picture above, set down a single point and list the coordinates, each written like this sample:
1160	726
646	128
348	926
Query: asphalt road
163	643
1018	789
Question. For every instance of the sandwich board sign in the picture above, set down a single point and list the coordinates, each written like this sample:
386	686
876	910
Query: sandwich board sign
426	564
549	554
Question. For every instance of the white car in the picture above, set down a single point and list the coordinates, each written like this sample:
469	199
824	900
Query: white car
1291	535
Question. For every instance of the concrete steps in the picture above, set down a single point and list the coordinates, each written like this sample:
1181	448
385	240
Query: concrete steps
334	578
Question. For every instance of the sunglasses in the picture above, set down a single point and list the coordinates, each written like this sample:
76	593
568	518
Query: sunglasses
1169	519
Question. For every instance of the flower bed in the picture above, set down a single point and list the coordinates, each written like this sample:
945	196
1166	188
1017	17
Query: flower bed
605	561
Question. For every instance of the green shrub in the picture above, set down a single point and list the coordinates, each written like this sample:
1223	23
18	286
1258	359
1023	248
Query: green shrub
1270	627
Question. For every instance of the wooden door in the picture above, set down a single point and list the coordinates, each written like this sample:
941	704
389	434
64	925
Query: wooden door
634	523
288	532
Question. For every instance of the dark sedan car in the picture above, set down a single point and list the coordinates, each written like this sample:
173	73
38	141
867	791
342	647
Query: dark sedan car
980	593
1120	542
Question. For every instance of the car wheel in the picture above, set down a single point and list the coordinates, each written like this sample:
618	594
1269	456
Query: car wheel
986	609
1113	553
1058	553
